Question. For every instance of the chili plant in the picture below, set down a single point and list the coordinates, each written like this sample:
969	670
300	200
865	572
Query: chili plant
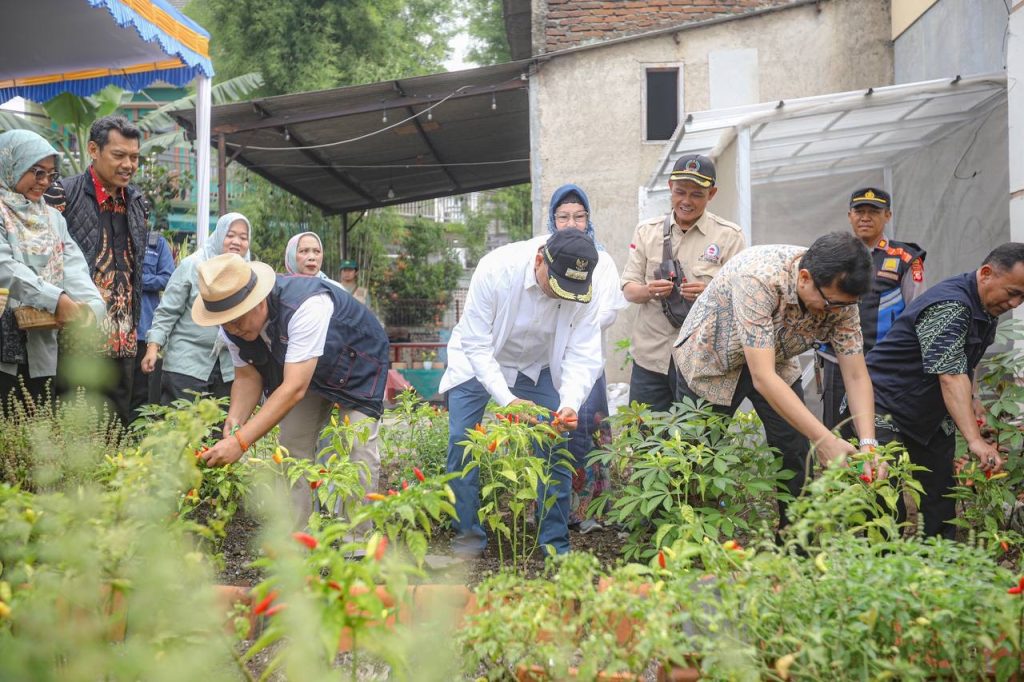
692	471
412	434
513	477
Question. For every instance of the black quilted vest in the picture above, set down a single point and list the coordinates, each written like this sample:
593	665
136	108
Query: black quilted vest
353	370
82	214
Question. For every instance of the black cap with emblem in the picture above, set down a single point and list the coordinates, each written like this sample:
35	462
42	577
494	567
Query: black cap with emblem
871	196
695	168
571	258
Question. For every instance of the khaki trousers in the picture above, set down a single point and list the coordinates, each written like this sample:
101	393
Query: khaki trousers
300	434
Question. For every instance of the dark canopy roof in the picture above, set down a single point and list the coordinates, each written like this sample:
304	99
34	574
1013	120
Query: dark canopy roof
334	148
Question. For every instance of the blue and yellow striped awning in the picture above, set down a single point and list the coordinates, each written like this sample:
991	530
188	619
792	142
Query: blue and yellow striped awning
82	46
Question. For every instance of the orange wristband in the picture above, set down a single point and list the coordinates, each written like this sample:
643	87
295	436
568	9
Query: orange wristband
241	443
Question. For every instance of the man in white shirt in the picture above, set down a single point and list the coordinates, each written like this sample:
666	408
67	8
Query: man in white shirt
306	345
527	336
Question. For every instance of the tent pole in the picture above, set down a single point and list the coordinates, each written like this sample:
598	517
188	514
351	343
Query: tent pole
222	175
203	102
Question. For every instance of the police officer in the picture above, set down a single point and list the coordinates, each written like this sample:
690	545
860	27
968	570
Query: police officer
701	242
898	280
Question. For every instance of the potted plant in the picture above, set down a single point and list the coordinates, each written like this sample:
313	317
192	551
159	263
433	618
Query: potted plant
428	357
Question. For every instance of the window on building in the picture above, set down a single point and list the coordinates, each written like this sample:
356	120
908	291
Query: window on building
662	99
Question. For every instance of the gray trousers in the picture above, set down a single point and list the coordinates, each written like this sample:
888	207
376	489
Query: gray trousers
300	434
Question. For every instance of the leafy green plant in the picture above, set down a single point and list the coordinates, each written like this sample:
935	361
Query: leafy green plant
413	433
988	502
691	471
512	477
58	445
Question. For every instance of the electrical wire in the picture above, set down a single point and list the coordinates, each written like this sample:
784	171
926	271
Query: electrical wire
404	166
354	139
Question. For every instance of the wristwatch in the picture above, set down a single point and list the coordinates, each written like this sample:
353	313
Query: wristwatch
870	442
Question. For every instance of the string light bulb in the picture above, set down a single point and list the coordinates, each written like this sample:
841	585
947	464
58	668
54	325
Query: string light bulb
384	118
391	192
287	135
494	102
430	115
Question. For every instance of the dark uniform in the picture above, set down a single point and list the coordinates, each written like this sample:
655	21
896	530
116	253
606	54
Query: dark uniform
950	322
899	279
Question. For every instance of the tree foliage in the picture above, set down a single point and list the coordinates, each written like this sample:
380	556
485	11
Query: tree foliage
485	24
300	45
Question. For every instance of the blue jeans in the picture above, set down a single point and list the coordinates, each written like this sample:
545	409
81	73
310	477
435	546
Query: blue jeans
466	404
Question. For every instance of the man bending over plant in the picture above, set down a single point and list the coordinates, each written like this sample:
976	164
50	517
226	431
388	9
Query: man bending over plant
923	372
529	335
307	345
768	305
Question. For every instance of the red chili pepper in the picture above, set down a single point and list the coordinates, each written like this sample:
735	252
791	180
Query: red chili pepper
276	610
381	547
200	451
306	539
661	558
988	474
492	446
419	474
1018	589
391	491
334	585
313	485
1005	545
376	497
265	603
405	484
323	471
480	429
865	477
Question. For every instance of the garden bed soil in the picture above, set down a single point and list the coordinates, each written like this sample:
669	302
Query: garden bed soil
241	547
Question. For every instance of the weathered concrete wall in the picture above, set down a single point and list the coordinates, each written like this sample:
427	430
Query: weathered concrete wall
588	106
965	37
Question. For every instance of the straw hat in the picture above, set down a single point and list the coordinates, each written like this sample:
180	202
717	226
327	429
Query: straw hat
229	287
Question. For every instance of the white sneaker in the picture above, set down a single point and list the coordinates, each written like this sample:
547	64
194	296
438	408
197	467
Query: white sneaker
588	525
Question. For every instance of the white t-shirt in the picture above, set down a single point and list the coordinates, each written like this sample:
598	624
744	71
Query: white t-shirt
307	332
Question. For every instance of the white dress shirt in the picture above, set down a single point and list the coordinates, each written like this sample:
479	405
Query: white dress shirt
563	335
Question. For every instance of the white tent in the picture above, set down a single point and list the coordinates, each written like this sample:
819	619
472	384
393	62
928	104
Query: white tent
82	46
786	169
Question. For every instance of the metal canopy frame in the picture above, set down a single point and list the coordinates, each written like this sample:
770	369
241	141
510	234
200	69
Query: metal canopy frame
393	142
835	133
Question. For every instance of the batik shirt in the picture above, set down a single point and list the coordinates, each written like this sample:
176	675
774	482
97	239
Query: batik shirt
112	272
942	331
753	303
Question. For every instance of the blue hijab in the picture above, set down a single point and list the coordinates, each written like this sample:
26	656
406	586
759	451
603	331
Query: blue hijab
557	197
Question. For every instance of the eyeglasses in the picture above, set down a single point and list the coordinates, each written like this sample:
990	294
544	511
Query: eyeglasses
43	174
574	218
834	305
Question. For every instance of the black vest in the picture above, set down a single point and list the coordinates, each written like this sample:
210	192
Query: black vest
82	214
902	388
354	367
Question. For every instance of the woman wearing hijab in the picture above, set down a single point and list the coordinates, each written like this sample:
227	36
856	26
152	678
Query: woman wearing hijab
194	359
304	255
570	209
40	264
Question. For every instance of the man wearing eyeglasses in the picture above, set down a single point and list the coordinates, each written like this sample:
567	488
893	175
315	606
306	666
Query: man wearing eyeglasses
768	305
701	243
898	280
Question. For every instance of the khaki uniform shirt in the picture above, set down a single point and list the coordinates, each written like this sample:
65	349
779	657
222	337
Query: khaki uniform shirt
753	302
701	251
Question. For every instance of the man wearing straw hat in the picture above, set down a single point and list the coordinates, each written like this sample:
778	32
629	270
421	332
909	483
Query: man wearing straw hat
304	344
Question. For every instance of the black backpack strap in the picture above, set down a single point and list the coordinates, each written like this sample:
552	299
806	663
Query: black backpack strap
666	243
